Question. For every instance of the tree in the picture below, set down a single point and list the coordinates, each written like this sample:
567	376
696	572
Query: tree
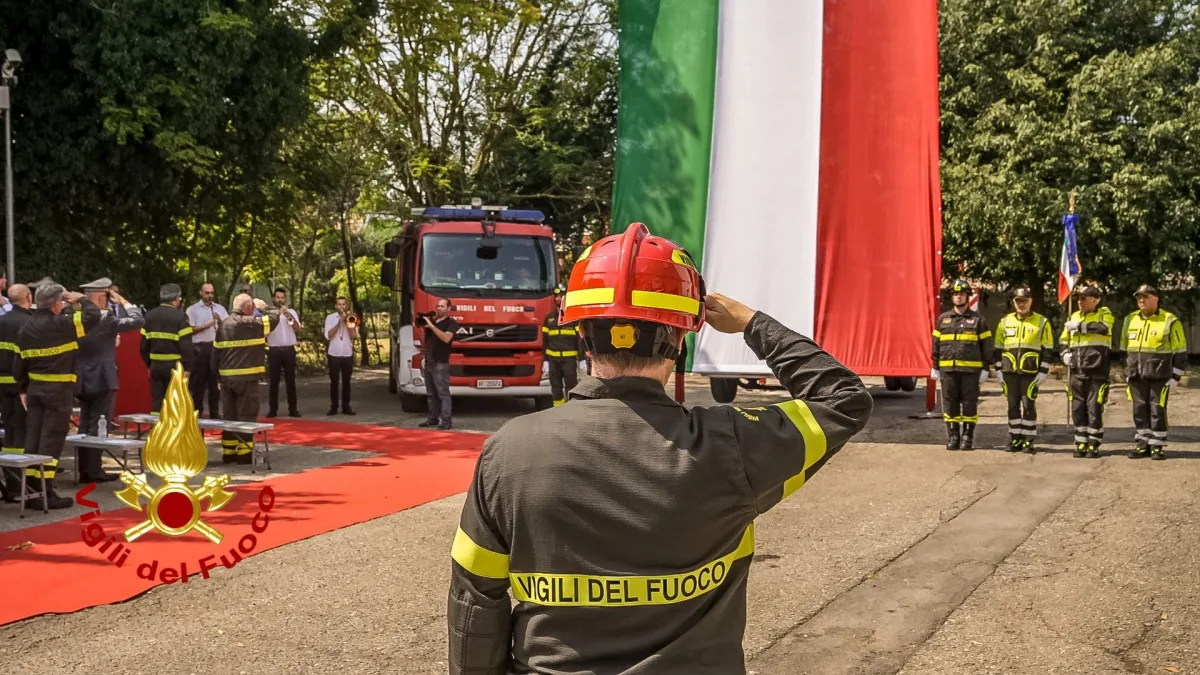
1040	97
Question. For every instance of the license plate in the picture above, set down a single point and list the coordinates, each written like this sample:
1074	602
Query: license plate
489	384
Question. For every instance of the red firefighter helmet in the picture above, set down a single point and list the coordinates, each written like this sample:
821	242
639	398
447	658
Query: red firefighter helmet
637	276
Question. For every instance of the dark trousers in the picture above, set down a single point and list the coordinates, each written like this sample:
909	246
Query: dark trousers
340	368
13	414
960	396
437	391
160	378
239	400
1021	393
564	375
1149	412
1088	395
91	406
281	360
48	419
203	381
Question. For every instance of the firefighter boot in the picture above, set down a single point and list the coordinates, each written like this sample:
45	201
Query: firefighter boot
1080	449
952	434
1157	452
1028	447
1014	443
968	436
52	498
1140	451
1093	449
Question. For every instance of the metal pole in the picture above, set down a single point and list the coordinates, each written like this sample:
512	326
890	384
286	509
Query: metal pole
8	195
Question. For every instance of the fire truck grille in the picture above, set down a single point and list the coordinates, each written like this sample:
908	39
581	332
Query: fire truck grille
478	333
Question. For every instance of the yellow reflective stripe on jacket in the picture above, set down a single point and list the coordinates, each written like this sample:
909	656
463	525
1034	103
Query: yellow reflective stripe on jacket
585	590
52	377
78	321
165	357
184	332
955	363
7	379
49	351
476	559
231	344
961	337
157	335
253	370
554	354
10	347
815	443
559	331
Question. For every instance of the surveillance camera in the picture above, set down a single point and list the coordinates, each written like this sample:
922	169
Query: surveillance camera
12	57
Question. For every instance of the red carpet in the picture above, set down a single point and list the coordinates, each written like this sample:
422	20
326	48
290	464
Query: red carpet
60	573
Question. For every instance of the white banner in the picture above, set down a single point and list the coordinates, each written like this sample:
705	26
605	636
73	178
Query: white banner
761	231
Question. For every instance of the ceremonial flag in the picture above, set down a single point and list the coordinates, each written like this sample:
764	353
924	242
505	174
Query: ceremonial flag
1069	268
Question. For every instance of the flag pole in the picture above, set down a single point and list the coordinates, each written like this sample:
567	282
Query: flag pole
1070	335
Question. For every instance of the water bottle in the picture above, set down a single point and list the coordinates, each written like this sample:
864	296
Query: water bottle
102	427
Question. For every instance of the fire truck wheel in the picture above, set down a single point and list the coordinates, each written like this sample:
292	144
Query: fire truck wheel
724	389
892	383
908	383
412	404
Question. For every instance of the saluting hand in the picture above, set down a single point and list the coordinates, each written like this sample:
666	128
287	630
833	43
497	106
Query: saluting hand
725	314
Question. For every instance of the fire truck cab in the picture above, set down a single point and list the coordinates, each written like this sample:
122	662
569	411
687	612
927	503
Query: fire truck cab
498	269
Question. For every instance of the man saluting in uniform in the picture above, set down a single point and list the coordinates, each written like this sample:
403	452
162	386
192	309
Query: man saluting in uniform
656	580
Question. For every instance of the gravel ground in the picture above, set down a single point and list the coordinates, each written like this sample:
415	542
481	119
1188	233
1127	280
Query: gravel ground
899	557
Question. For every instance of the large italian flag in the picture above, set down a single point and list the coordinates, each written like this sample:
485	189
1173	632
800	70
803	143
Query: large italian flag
792	147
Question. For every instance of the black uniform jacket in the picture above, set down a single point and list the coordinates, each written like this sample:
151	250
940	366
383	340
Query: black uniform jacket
622	522
167	339
49	343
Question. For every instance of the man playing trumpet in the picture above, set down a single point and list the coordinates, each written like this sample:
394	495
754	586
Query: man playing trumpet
341	329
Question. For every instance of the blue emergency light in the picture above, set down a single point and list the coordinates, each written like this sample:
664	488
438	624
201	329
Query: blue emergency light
508	216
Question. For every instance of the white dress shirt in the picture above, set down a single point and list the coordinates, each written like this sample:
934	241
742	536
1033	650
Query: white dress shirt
283	335
340	344
200	314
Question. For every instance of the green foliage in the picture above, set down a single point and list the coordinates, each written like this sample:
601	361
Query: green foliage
1042	97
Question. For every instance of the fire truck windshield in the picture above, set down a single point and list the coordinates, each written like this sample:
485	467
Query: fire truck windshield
522	265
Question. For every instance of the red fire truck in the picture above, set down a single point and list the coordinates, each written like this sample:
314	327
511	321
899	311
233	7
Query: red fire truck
498	269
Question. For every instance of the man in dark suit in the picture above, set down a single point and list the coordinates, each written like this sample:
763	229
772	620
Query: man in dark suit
96	369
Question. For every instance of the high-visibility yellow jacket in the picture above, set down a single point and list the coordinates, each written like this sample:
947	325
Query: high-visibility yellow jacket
1155	346
1022	345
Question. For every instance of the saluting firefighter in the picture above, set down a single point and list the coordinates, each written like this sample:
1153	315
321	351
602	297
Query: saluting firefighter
239	357
45	372
166	340
1156	355
624	481
1024	342
1086	343
12	411
560	347
962	351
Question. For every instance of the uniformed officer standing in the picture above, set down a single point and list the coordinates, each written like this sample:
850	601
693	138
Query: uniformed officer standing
962	351
96	367
623	522
1024	341
12	411
1087	344
239	357
1156	355
560	348
45	372
166	340
204	317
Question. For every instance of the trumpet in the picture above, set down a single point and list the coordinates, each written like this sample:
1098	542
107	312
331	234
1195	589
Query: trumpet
352	321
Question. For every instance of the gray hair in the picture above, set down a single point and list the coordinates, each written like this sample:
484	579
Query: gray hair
169	293
48	295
